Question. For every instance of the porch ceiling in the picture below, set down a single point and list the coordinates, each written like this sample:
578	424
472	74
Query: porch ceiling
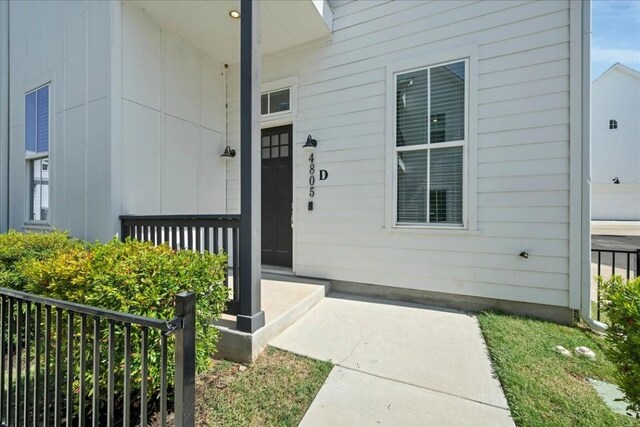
207	24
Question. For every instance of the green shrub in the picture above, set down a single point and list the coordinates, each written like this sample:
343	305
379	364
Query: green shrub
136	278
622	305
16	248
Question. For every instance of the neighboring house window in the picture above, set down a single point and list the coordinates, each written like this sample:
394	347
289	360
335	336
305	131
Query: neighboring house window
277	101
36	141
613	124
431	138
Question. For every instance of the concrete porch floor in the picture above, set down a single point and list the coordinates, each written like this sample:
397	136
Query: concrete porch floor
285	299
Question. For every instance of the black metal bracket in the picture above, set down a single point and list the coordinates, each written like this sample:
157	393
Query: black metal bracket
173	325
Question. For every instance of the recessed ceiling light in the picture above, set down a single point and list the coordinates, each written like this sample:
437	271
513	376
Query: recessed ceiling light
234	14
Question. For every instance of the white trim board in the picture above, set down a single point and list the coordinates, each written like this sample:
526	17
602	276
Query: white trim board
284	119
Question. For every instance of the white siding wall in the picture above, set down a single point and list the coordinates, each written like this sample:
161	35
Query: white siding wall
67	43
173	122
522	149
615	153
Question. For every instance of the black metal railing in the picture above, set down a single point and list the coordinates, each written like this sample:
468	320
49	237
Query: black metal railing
609	263
53	353
210	233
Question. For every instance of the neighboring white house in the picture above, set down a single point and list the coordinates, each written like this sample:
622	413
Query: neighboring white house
452	136
615	148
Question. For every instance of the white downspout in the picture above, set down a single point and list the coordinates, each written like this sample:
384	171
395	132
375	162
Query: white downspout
4	115
585	310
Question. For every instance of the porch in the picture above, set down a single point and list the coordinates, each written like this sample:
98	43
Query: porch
284	297
186	50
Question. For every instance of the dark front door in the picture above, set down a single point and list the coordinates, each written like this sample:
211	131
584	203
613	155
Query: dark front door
277	236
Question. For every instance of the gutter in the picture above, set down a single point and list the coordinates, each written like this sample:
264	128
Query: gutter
585	117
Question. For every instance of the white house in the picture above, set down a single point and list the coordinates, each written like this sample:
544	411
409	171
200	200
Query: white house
615	149
452	137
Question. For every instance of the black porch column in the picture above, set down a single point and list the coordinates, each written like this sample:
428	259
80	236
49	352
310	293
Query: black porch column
250	316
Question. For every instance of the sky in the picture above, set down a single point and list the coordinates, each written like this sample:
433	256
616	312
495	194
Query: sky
615	26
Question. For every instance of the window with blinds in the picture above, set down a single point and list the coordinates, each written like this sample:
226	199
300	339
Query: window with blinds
36	142
431	135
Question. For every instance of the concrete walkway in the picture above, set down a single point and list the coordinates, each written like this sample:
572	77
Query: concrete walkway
397	365
615	228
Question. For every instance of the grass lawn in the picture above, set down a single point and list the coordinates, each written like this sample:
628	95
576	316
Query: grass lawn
275	390
542	387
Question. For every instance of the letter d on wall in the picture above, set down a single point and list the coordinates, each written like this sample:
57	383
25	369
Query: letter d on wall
323	174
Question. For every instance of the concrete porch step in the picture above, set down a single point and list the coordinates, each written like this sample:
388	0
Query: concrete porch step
285	299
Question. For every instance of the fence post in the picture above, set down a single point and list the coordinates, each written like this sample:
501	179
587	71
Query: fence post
185	375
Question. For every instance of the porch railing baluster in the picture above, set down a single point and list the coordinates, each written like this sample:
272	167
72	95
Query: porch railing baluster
190	231
211	233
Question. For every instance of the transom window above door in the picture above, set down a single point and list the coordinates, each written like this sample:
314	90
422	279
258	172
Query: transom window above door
277	101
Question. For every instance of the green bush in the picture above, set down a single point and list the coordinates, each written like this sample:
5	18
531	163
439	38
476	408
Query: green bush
622	306
131	277
16	248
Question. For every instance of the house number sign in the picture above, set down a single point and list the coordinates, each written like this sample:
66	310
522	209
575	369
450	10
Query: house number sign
312	179
312	176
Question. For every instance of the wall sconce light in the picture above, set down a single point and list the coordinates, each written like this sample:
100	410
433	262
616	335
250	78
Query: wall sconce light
228	153
310	145
616	180
524	254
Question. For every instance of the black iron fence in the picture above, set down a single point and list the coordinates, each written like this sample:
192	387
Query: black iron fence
607	263
211	233
56	355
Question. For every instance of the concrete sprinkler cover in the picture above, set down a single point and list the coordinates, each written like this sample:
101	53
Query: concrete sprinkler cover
563	351
585	352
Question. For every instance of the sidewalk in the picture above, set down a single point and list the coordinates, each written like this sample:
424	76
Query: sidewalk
615	228
397	365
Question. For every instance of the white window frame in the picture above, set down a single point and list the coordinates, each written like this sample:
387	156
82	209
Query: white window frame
47	80
469	54
290	83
